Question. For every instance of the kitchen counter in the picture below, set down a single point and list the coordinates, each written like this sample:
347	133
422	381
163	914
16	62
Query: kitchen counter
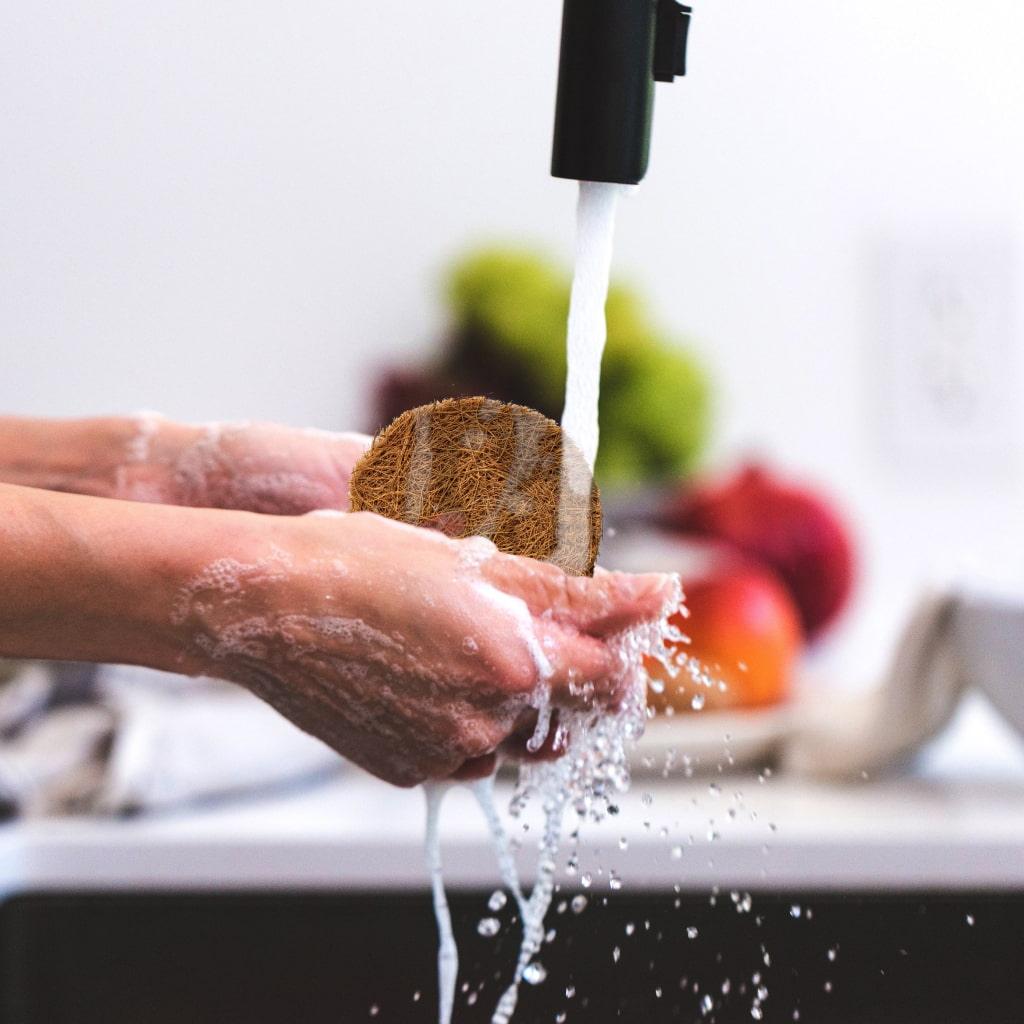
353	833
955	825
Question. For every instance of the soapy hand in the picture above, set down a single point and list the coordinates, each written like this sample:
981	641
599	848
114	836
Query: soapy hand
252	467
414	655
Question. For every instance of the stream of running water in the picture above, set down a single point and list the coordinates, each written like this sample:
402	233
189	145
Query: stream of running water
595	766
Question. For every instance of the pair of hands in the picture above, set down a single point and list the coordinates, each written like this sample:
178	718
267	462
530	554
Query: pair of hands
414	655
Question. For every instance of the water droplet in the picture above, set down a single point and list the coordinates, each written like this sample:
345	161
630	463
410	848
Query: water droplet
707	1004
828	986
970	920
832	954
570	991
417	996
579	904
488	927
726	987
560	1018
630	928
714	789
756	1012
623	843
677	853
762	993
616	954
534	973
691	932
374	1010
586	879
497	901
795	911
698	702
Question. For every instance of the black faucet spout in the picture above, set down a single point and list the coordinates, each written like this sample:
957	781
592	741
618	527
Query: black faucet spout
612	53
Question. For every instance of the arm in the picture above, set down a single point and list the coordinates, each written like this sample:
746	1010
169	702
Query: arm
88	580
78	456
254	467
412	654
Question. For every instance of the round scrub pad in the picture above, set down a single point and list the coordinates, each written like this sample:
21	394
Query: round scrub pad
477	467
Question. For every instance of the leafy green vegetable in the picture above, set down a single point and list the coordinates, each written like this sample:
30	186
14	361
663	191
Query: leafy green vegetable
510	308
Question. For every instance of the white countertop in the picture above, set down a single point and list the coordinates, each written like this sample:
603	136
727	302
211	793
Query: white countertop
353	833
956	825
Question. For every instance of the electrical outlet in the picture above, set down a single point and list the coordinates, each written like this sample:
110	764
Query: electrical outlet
948	370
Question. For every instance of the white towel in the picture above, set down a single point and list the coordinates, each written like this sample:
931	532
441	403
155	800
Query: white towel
146	741
836	735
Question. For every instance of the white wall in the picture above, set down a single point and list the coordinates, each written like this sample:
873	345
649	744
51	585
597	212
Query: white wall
233	209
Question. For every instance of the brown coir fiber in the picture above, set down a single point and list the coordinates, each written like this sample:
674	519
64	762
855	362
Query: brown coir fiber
477	467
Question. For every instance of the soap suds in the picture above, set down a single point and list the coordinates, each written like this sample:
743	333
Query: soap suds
255	467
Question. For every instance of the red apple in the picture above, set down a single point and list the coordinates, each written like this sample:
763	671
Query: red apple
789	528
744	629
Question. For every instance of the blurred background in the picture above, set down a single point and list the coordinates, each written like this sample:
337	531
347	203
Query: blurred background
253	211
324	213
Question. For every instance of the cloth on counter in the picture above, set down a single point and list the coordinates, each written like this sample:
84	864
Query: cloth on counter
954	643
115	740
836	735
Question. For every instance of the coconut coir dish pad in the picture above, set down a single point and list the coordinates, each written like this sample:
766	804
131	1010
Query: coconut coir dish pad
476	467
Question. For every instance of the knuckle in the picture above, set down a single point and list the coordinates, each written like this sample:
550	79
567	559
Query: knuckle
477	739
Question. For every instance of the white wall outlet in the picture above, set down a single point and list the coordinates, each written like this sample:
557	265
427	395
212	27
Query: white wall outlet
948	372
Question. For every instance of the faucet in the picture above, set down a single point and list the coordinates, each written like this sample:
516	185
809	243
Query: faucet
613	51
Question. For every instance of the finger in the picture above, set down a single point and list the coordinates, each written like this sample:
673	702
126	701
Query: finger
607	604
615	601
555	744
476	768
583	670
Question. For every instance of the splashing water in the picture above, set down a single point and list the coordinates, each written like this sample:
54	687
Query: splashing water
447	949
595	765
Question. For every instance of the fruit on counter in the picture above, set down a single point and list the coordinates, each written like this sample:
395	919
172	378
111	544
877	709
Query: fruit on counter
510	308
787	527
744	630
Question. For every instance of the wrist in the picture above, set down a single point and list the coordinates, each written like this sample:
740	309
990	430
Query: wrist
156	573
82	456
96	580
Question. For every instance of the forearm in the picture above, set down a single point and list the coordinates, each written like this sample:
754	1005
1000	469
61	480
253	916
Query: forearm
81	456
88	579
257	467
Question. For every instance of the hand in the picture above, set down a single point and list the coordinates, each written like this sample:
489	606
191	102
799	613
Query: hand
416	656
256	467
252	467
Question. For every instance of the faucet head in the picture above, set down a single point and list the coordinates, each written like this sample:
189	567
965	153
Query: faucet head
612	53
